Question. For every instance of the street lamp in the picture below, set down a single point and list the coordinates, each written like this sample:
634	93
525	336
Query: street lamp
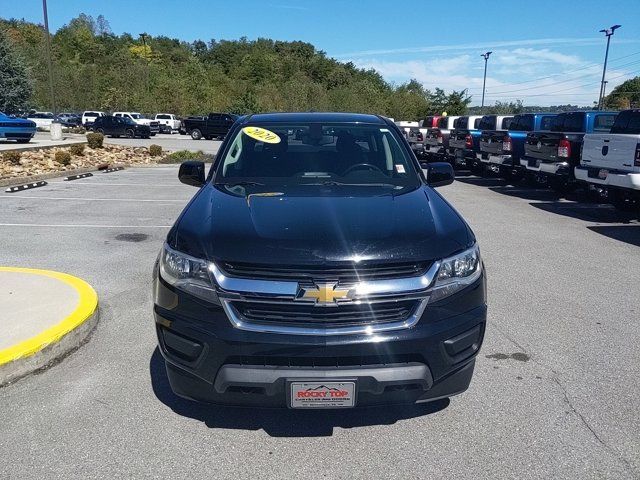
609	33
146	57
52	98
484	81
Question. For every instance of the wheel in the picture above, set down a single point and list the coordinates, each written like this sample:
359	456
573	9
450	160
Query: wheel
196	134
147	136
621	200
129	133
100	130
153	134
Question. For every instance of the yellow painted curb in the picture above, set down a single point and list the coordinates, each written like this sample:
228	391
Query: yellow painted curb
87	304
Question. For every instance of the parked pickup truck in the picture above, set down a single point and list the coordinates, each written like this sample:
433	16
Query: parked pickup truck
213	125
501	151
414	136
612	160
487	122
436	142
19	129
140	119
553	155
462	140
168	122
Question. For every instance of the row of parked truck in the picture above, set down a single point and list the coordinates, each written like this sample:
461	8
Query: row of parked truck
595	148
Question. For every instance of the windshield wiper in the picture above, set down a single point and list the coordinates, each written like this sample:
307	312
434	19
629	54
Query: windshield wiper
331	183
241	184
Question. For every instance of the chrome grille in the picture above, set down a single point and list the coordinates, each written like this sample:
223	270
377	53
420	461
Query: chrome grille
344	273
310	316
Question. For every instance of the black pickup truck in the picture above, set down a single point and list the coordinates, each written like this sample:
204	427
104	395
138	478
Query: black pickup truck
214	125
551	156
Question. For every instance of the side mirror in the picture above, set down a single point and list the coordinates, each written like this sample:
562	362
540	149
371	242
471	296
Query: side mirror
192	173
438	174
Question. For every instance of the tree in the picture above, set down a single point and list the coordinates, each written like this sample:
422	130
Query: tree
626	95
15	89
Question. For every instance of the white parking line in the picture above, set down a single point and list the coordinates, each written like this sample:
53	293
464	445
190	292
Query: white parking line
121	184
79	225
33	197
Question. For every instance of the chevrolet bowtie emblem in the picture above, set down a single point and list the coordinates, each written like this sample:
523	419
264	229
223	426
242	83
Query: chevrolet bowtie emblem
324	294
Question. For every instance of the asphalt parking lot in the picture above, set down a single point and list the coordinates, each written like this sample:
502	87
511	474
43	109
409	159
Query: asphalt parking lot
555	393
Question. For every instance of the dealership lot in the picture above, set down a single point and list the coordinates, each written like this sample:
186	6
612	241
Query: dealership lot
166	141
555	392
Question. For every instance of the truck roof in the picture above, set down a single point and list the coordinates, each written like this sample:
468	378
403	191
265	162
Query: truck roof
320	117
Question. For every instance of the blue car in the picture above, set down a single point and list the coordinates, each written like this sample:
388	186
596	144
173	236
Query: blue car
18	129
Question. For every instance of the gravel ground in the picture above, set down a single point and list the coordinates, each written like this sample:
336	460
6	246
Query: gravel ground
555	393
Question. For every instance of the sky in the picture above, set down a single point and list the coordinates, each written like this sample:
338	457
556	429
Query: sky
545	52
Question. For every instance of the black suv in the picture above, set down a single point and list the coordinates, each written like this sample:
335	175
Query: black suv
317	267
120	127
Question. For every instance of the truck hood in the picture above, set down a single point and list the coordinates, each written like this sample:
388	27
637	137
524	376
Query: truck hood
320	225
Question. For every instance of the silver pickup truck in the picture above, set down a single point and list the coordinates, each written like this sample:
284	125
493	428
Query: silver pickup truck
612	160
436	142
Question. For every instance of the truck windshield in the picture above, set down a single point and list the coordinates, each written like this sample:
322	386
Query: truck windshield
317	154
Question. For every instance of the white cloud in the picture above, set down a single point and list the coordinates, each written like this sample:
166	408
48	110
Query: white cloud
536	76
480	47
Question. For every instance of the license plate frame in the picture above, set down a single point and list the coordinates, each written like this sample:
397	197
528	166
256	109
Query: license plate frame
321	394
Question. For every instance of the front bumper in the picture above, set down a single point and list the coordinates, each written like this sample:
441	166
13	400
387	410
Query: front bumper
209	360
17	133
627	181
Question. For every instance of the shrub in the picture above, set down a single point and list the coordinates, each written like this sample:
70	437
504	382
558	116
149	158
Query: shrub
77	149
74	130
12	156
63	157
155	150
183	155
95	140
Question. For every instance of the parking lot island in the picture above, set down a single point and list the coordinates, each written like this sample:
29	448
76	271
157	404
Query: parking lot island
36	334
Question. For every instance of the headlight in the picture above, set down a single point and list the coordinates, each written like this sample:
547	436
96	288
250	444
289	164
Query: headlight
187	273
457	272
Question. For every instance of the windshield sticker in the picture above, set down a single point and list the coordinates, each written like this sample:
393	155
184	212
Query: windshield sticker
400	168
261	134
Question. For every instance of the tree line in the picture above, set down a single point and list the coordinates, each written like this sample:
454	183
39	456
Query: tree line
95	69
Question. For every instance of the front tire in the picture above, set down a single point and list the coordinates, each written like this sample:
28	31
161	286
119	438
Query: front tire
196	134
130	133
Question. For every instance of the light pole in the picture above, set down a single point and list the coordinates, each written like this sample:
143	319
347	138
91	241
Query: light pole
146	58
484	81
48	37
609	33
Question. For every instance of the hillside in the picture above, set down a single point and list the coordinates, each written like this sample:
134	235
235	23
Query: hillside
93	68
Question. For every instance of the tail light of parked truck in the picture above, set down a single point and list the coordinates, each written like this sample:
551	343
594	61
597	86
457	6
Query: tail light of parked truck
506	143
564	148
468	141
